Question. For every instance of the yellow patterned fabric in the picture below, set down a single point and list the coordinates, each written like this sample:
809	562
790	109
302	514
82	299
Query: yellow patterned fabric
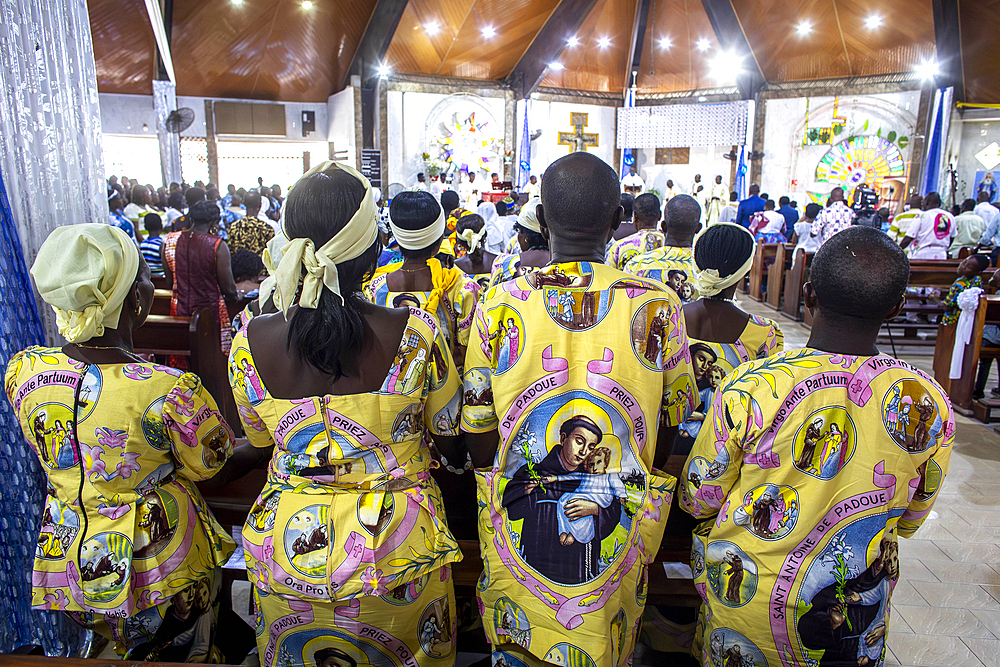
350	509
671	265
798	559
574	364
622	252
124	527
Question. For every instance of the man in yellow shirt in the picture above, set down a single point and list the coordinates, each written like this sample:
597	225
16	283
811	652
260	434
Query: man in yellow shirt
673	264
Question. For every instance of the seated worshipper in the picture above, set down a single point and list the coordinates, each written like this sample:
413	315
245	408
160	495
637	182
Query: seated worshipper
175	206
139	205
716	198
646	217
606	354
836	217
752	204
344	390
728	213
969	228
248	271
767	225
932	233
802	236
532	249
197	266
250	232
991	217
150	248
901	223
815	472
721	335
116	218
627	228
453	212
673	264
417	223
191	196
969	271
127	545
474	259
264	303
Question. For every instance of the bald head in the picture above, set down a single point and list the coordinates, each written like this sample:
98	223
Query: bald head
682	217
581	198
837	194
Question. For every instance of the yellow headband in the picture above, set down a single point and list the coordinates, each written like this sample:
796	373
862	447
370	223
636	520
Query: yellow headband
528	218
85	272
349	243
708	282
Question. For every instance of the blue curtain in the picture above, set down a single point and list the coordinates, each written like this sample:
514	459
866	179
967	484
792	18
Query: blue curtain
22	482
524	155
740	186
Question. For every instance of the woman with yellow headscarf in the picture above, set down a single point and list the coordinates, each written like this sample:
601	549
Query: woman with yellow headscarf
347	548
418	225
127	545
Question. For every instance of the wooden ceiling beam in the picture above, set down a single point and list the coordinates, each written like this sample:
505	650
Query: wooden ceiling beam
638	38
729	31
375	42
563	23
948	44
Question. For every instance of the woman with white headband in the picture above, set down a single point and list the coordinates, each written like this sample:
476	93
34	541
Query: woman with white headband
529	248
126	541
721	335
418	225
470	239
349	536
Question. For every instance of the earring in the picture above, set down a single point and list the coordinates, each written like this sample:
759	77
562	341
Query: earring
138	308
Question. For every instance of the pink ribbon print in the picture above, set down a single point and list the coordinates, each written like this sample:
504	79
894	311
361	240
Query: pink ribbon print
558	375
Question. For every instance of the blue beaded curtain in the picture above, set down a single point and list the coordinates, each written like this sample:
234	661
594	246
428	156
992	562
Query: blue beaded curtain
22	482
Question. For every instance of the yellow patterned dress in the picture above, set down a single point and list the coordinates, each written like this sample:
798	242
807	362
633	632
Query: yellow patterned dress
348	547
127	543
623	251
671	265
573	364
800	557
712	362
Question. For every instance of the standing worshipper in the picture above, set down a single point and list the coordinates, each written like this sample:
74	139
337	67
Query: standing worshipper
499	229
718	196
151	246
768	225
627	228
470	240
812	479
670	192
786	209
646	217
991	217
469	191
802	236
901	223
932	233
138	207
533	189
126	539
836	217
728	213
191	197
347	548
562	476
530	248
453	211
752	204
969	228
417	223
673	264
421	184
116	218
250	232
197	265
697	187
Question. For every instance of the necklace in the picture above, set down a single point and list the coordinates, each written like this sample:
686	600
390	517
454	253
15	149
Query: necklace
716	298
108	347
411	270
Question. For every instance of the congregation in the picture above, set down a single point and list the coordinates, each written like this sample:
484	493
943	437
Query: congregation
560	345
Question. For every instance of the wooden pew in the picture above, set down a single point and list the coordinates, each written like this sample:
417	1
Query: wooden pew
776	275
161	302
795	278
759	269
960	389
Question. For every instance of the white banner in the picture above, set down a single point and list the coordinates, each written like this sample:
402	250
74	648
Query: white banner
684	125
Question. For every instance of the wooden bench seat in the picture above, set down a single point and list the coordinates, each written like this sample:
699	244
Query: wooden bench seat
776	275
795	277
960	389
763	259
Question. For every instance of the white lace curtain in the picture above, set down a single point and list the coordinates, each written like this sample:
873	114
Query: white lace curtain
50	121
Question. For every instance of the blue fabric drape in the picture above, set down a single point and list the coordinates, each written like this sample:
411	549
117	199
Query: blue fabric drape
22	482
740	187
524	156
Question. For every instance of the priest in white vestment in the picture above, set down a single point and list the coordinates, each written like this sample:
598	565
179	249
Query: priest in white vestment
716	200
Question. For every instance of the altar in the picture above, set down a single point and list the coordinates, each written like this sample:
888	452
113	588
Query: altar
495	197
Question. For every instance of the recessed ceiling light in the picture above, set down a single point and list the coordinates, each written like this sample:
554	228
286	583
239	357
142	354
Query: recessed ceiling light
804	28
666	42
489	31
725	67
432	28
307	4
702	98
927	69
703	44
384	71
573	41
556	65
873	21
604	42
237	2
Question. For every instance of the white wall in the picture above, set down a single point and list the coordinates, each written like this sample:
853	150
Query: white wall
340	114
977	130
704	160
553	118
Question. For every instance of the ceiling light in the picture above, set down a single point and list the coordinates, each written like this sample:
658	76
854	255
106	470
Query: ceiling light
703	44
384	71
489	31
804	28
725	67
666	43
927	69
873	21
432	28
237	2
307	4
556	65
573	41
604	42
702	99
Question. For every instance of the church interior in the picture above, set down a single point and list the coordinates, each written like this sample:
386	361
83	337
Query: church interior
783	124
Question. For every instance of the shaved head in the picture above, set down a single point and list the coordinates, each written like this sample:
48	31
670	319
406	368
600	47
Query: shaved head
682	216
581	197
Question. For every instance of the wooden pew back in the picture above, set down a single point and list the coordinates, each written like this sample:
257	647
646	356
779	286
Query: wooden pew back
759	268
776	275
960	389
795	278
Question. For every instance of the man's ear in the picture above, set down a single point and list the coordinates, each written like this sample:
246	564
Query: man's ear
616	218
897	309
698	228
809	299
544	228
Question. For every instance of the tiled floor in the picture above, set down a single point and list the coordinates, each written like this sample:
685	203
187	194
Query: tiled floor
946	606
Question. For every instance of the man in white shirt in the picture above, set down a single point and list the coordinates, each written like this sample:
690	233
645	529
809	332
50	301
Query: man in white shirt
716	199
969	228
633	183
421	184
533	188
696	187
670	192
990	215
728	213
932	233
469	192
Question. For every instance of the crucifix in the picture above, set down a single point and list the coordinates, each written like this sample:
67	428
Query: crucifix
578	140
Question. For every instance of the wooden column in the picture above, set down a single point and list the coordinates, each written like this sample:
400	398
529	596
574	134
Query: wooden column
210	143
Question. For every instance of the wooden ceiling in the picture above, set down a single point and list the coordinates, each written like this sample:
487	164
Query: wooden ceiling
278	50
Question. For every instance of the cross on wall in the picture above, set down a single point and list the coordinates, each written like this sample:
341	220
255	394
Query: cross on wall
578	140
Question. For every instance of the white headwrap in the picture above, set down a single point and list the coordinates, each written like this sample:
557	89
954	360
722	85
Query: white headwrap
473	239
708	282
349	243
271	257
528	217
85	272
418	239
